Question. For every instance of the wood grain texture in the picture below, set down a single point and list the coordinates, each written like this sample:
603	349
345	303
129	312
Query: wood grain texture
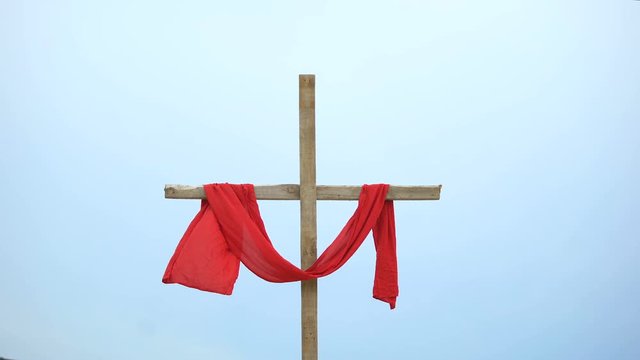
308	226
323	192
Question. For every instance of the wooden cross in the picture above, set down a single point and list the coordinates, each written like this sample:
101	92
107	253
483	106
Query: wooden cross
307	192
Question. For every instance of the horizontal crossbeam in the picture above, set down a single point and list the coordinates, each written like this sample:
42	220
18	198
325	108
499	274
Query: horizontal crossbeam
324	192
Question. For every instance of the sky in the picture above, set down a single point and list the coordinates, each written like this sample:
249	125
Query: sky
527	112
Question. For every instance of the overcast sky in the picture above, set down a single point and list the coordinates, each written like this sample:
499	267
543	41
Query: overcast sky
528	113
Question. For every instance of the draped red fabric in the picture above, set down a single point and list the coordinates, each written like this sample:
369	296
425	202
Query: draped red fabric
228	230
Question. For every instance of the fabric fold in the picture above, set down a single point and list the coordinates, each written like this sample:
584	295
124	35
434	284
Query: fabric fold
228	230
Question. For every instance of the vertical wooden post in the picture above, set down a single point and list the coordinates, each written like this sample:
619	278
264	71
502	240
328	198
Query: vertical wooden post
308	227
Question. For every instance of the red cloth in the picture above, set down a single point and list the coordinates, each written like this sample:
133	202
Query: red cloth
228	230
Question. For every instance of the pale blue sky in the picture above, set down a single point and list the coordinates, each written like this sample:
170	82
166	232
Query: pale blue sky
528	112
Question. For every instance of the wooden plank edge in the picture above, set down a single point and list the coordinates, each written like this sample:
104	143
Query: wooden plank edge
324	192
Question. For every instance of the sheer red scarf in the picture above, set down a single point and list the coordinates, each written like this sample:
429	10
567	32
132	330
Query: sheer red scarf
228	230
